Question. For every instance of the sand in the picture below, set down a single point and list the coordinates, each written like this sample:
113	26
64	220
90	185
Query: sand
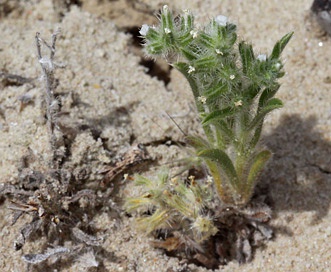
112	104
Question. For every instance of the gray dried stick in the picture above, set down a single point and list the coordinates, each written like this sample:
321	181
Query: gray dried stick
52	104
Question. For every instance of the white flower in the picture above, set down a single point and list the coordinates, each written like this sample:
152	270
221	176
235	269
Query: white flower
191	178
218	52
221	20
144	29
202	99
277	65
238	103
262	57
191	69
167	31
209	179
194	33
232	77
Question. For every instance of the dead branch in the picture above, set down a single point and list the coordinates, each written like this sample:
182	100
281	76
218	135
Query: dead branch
52	105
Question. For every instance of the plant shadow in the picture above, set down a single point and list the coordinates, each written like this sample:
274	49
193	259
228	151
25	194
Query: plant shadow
299	174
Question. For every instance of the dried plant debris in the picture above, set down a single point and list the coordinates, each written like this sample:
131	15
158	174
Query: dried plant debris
87	260
8	79
48	67
61	204
190	223
61	199
50	252
136	155
86	238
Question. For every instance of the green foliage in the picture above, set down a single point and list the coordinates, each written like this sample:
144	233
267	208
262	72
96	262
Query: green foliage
234	90
173	203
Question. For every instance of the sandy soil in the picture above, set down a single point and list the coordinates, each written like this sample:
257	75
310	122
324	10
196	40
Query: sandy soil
112	102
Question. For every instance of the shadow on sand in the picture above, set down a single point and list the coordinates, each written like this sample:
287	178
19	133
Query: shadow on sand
299	174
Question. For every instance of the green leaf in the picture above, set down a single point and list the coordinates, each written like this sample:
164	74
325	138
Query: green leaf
157	220
135	203
152	34
167	20
256	136
184	40
280	45
206	40
247	56
223	161
163	177
267	94
197	142
226	131
218	115
271	105
258	164
205	63
142	181
187	22
155	48
231	35
189	54
216	90
251	92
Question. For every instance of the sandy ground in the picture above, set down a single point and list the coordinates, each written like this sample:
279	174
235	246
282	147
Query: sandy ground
113	103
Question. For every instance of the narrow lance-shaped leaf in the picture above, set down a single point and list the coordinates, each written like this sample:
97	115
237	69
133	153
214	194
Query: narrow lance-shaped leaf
247	56
135	203
184	40
142	181
167	20
256	136
207	40
251	92
271	105
152	34
204	63
224	162
155	48
218	115
178	203
188	53
257	166
267	94
216	90
197	142
187	22
280	45
226	131
156	221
